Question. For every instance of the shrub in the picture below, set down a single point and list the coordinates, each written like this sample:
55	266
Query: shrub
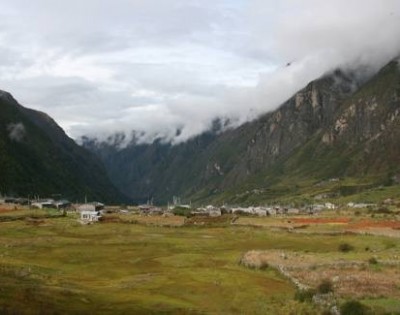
383	210
184	212
263	265
345	247
353	308
326	286
373	261
304	295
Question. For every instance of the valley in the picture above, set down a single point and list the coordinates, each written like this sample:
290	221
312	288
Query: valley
133	263
225	157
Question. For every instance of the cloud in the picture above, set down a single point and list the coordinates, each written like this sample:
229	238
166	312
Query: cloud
342	32
100	67
16	132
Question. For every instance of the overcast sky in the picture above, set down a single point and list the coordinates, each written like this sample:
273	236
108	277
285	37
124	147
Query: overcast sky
101	66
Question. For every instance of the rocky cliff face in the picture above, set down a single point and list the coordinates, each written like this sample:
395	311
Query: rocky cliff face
336	126
38	158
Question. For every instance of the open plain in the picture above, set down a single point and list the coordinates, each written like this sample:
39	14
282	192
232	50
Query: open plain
51	264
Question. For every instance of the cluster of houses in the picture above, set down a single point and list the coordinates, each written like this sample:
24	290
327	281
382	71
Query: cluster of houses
362	205
92	212
50	204
214	211
89	212
37	203
279	210
15	201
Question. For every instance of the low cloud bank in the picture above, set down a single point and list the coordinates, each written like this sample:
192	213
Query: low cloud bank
169	70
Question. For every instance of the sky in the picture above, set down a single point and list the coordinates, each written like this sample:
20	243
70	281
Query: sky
99	67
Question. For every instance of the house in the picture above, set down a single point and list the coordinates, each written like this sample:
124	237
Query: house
89	216
213	211
280	210
318	207
330	206
241	210
62	204
260	211
271	211
43	204
144	208
360	205
293	211
208	211
90	212
150	210
22	201
200	212
7	200
155	211
92	206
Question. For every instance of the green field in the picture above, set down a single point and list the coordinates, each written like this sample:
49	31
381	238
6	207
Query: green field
59	266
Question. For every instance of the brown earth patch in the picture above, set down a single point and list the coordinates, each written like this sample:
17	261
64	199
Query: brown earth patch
321	220
10	208
393	224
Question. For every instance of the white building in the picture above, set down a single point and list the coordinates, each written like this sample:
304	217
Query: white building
45	203
293	211
88	216
330	206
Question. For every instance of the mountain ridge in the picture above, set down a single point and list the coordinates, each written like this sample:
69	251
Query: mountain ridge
333	120
38	158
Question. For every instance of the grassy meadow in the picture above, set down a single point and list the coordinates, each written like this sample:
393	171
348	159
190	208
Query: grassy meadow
55	265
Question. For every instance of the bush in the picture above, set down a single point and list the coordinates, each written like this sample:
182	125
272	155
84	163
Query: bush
353	308
181	211
304	295
373	261
345	247
263	265
383	210
326	286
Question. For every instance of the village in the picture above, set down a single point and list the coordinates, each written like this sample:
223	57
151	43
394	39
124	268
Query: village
90	212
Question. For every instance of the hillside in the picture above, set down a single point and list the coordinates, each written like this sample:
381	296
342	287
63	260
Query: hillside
335	128
38	158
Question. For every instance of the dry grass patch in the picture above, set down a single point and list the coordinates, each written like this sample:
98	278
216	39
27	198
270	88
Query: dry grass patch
350	278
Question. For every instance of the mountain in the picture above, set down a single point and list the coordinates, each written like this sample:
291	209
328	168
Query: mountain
38	158
337	128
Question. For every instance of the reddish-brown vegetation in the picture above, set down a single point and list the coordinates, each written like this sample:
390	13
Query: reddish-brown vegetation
321	220
375	224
